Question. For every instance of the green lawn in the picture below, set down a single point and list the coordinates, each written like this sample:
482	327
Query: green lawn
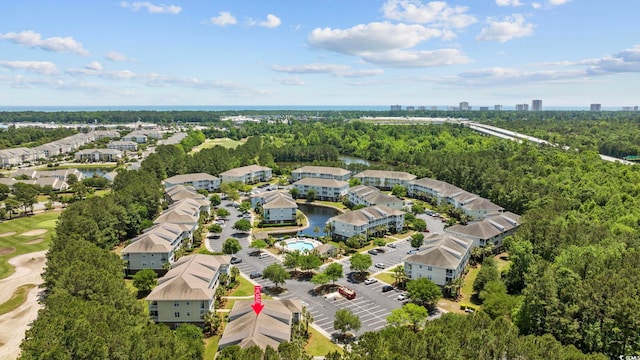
19	242
337	205
17	299
502	262
319	345
209	143
211	347
245	288
386	277
467	289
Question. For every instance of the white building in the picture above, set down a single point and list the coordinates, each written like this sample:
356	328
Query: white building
200	181
321	172
492	229
187	291
123	145
278	207
383	179
154	248
370	196
365	221
95	155
443	259
325	189
247	174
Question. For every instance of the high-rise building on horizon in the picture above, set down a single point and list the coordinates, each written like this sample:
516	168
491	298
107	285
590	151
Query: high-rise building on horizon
422	108
536	105
522	107
497	107
434	108
464	106
595	107
484	108
396	107
410	108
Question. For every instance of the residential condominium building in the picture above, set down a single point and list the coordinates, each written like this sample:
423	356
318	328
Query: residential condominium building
595	107
492	229
442	259
247	174
95	155
536	105
383	179
123	145
370	196
187	291
181	192
278	207
154	249
472	205
200	181
325	189
185	213
270	328
366	221
18	156
321	172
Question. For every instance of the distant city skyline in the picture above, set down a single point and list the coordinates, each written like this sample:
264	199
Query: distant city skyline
345	53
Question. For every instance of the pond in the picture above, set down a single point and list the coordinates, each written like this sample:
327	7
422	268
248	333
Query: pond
318	216
88	172
353	160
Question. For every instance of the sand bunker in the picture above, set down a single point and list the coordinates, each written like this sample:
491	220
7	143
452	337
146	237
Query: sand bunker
34	241
6	250
34	232
8	234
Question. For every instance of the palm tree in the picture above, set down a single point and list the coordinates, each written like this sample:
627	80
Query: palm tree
487	250
328	228
234	273
457	285
223	279
399	275
308	319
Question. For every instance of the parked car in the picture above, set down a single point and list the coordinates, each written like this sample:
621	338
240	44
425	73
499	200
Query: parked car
255	275
370	281
255	253
380	265
236	260
373	251
412	251
392	245
403	297
263	256
387	288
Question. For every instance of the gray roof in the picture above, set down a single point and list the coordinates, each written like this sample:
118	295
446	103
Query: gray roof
280	200
180	192
331	183
185	211
156	239
372	195
245	170
270	328
386	174
190	278
444	189
487	228
363	216
443	250
325	249
178	179
322	170
480	203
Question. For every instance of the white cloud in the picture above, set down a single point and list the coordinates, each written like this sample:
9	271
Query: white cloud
437	13
509	28
323	68
117	57
508	3
94	65
290	81
422	58
40	67
625	61
57	44
372	37
224	18
558	2
151	8
536	5
271	22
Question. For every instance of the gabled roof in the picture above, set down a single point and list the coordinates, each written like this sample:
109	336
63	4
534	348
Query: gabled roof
280	201
190	278
322	170
156	239
480	203
364	216
372	195
270	328
185	211
386	174
443	251
442	188
178	179
487	228
180	192
322	182
245	170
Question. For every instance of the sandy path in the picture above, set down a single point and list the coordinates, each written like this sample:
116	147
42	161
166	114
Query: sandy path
14	324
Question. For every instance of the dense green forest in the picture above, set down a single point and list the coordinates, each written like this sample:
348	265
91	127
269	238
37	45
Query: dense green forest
575	262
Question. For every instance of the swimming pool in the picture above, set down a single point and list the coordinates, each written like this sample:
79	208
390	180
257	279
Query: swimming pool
300	245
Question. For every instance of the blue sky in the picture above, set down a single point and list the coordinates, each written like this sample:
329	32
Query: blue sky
319	52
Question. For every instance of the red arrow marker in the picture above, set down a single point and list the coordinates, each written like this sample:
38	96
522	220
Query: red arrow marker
257	299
